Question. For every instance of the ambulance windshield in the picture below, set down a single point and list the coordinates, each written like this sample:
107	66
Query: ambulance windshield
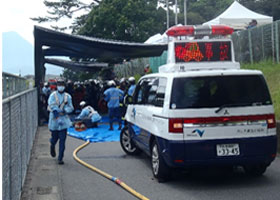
216	91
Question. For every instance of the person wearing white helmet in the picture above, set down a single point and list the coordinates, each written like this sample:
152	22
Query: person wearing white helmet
46	89
132	86
88	115
59	105
123	84
113	97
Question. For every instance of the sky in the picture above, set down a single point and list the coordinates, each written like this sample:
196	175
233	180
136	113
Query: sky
16	14
19	12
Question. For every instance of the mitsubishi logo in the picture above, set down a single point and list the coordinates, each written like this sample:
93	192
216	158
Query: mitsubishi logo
226	112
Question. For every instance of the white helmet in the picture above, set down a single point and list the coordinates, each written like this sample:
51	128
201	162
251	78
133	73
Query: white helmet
82	103
111	83
131	79
122	80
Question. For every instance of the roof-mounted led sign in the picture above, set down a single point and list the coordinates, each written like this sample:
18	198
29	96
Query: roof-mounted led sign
203	51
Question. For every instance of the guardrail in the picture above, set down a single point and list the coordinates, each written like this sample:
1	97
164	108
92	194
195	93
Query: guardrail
19	126
12	84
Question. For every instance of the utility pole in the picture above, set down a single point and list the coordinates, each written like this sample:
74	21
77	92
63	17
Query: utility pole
185	11
176	16
167	13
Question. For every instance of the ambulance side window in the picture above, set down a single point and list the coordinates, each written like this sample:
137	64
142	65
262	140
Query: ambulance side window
141	92
152	90
160	93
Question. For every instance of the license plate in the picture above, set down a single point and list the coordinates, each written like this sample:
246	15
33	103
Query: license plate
228	149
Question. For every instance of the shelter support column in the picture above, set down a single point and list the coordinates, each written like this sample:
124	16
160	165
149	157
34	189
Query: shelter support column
39	67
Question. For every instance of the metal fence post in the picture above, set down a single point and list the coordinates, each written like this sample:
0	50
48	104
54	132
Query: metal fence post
250	46
262	42
272	43
277	42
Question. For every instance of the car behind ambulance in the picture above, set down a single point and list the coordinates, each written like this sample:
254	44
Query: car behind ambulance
201	109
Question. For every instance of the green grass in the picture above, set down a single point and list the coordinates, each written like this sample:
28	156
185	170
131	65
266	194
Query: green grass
271	72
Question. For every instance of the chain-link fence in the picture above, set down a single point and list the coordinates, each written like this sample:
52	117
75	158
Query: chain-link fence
258	43
131	68
12	84
19	125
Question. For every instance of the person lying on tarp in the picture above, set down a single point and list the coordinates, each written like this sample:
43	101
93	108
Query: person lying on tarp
88	116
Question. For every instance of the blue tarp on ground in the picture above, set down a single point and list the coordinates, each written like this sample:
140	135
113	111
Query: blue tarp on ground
99	134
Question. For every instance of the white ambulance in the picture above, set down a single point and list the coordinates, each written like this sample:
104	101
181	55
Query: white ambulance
201	109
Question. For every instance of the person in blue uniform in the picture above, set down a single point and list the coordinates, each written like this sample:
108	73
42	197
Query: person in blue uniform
59	105
46	91
88	115
113	96
131	89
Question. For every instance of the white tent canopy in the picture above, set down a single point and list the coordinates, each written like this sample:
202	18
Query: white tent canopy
239	17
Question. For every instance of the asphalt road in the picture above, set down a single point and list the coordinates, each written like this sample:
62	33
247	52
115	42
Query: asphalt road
78	182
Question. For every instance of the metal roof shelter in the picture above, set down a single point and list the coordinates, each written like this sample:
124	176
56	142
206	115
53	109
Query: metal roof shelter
50	43
53	43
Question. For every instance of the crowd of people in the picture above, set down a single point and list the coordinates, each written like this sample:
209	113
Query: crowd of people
91	91
84	101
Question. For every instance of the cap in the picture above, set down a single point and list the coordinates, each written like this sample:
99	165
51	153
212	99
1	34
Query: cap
82	103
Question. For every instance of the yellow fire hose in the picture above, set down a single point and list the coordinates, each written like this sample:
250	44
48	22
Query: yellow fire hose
108	176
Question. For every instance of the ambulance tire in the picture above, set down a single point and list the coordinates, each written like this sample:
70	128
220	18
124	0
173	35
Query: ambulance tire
160	170
127	144
255	170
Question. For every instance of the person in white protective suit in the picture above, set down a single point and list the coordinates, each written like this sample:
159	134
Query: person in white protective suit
59	105
88	115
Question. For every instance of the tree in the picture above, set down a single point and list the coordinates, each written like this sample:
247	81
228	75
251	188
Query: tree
266	7
66	9
206	9
128	20
75	75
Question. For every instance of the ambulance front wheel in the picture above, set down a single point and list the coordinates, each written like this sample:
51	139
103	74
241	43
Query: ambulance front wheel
127	144
160	170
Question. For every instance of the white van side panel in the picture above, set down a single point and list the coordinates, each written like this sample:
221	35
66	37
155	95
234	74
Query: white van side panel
152	120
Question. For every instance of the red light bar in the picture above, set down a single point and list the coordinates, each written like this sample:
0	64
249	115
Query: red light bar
221	30
199	30
180	31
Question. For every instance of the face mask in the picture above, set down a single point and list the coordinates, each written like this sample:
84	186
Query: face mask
60	88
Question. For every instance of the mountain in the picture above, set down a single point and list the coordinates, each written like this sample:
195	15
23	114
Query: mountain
17	54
